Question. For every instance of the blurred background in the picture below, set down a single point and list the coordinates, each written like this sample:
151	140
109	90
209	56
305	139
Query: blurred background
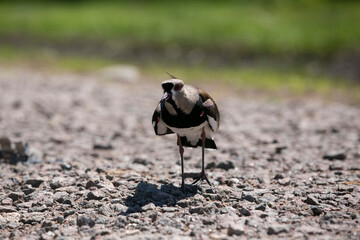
275	47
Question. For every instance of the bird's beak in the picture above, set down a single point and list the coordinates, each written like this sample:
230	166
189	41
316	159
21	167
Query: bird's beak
166	96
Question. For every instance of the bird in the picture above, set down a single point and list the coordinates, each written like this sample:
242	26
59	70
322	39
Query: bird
190	113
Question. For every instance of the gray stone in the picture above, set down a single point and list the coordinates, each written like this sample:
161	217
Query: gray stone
235	229
30	218
69	231
25	205
3	221
245	212
41	208
335	156
261	207
354	168
277	229
345	188
118	207
169	209
317	210
154	216
60	197
34	182
232	181
66	166
84	220
16	195
279	149
7	201
210	165
227	165
95	195
91	183
58	219
55	185
27	189
105	210
46	224
336	167
209	220
184	203
198	210
48	235
116	200
121	222
142	161
98	145
69	212
248	197
7	209
278	176
297	193
148	207
311	200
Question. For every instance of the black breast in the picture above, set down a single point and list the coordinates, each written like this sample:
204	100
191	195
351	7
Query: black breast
182	120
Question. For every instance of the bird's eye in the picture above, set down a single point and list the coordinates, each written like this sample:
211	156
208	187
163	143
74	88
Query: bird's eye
177	87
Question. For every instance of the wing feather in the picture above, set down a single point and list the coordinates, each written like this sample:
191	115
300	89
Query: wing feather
211	110
158	124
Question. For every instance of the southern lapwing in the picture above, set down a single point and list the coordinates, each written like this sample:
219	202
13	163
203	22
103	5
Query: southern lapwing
191	114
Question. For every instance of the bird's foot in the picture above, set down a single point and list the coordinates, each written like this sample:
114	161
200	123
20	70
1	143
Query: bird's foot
201	178
183	187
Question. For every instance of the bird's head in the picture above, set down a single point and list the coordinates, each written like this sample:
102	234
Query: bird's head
171	87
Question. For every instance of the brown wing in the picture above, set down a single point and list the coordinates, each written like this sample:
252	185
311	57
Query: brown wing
211	110
159	126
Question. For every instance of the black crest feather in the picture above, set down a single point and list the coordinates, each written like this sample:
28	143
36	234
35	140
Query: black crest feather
172	76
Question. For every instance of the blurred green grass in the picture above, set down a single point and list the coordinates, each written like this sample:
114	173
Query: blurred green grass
266	81
269	28
294	82
304	26
51	59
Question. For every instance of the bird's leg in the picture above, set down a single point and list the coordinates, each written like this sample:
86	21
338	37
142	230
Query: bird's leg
203	174
181	151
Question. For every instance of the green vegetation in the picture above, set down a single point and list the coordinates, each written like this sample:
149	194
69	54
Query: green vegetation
305	26
38	57
266	80
269	29
296	82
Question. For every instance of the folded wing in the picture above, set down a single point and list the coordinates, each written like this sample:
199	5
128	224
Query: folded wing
211	110
158	124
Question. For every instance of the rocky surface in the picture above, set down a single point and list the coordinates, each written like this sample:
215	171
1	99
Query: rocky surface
286	169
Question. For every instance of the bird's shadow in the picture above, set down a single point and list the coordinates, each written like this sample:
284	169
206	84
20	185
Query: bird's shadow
167	195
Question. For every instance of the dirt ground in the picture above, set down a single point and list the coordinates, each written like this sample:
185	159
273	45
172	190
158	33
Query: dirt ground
284	169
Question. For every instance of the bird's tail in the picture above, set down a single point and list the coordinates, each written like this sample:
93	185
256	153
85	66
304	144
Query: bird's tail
209	143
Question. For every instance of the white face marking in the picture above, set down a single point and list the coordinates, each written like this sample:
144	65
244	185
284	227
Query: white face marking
186	98
173	94
170	109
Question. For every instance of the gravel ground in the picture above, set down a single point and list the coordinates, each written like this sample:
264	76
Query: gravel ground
96	170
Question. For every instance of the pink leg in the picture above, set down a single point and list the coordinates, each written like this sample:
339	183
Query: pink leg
181	151
203	174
